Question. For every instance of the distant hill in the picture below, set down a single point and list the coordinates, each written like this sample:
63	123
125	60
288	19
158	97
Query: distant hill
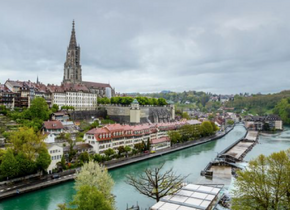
198	98
166	91
258	104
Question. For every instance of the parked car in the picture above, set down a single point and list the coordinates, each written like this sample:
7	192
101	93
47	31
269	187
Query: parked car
55	176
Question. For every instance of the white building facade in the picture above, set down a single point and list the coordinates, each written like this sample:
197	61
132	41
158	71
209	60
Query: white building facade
76	95
56	153
116	135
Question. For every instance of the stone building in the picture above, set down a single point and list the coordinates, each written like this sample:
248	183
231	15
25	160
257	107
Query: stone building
136	113
72	67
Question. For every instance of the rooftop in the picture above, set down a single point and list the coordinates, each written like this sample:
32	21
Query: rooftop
54	124
190	197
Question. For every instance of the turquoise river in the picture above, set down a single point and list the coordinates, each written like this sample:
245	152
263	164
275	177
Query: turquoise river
189	161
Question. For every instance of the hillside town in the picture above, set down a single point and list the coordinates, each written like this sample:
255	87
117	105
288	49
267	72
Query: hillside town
49	132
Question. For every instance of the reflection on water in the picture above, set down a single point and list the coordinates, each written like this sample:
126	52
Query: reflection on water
189	161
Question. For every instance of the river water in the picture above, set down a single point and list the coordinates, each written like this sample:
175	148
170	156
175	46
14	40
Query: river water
189	161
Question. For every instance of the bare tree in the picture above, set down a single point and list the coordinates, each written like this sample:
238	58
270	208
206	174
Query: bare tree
155	184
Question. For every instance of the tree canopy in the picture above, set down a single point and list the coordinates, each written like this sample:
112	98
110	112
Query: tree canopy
283	110
93	174
192	132
39	109
142	100
258	104
27	154
93	189
26	141
43	160
265	184
9	166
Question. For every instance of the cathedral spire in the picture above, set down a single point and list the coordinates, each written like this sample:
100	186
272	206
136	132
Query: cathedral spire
73	41
73	26
72	66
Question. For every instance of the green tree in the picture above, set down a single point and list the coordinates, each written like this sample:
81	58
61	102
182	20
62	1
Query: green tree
148	145
139	147
162	102
154	101
174	137
84	157
54	108
185	115
9	166
186	132
121	150
93	189
26	141
39	109
142	100
265	184
25	165
90	198
230	122
43	160
93	174
2	153
127	150
3	110
207	128
99	158
283	110
126	100
72	152
214	126
109	152
62	162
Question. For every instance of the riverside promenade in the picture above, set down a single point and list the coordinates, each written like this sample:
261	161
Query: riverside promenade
11	190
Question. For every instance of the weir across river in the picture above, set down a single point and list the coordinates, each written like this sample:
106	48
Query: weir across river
222	166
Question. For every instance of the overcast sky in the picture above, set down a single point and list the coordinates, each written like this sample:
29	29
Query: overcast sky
219	46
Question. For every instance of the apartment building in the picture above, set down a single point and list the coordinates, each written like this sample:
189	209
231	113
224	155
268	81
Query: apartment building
115	135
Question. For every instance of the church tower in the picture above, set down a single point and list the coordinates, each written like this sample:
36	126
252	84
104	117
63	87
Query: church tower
72	67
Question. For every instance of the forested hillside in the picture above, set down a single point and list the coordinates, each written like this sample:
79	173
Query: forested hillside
258	104
186	96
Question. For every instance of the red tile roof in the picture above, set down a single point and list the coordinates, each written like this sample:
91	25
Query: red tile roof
112	131
68	87
96	85
53	125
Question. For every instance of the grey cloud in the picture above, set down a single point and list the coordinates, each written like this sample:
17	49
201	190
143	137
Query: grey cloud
217	46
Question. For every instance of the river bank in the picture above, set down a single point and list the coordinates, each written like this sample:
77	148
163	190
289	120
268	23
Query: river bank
19	189
188	161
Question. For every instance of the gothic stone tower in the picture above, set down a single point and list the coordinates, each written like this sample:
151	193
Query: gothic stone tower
72	67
